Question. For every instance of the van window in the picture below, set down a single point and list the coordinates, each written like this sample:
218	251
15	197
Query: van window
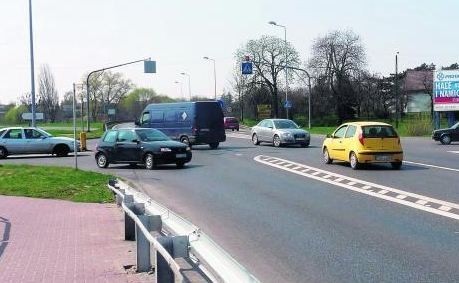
170	116
157	116
209	115
145	118
350	131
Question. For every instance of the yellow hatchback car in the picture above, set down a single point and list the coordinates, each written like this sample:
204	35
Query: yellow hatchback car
362	143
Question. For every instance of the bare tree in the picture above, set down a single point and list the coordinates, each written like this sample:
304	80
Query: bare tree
26	99
339	56
269	55
47	93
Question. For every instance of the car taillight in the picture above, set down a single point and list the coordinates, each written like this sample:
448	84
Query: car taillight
361	139
398	139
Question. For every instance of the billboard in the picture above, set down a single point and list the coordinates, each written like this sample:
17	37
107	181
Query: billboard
446	90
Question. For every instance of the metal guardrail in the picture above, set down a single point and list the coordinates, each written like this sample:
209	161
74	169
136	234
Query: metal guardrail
144	215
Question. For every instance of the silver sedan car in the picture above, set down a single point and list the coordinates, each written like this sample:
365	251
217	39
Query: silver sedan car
19	140
279	132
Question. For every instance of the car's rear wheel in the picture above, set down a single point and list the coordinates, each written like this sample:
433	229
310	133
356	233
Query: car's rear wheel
149	161
102	161
61	150
354	161
276	141
3	152
180	164
214	145
327	159
396	165
445	139
255	140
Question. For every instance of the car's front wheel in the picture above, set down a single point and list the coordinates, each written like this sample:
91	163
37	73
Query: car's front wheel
276	141
354	161
180	164
445	139
61	150
102	161
255	140
327	159
149	161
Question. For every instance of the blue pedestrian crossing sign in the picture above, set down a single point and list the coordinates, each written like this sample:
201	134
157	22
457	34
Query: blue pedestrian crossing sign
247	68
288	104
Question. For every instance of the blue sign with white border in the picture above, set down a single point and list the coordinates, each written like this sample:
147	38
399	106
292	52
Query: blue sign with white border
247	68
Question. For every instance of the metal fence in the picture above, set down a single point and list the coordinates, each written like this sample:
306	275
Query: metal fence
174	238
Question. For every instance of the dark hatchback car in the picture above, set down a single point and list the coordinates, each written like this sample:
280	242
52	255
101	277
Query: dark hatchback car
140	146
446	136
231	123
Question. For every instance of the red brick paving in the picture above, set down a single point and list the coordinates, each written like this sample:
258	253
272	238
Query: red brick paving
59	241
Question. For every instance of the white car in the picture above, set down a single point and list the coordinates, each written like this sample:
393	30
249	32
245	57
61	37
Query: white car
30	140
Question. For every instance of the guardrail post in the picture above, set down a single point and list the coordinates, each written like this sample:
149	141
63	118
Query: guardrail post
143	245
129	224
177	246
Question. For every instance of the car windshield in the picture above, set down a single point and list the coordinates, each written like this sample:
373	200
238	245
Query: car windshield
148	135
285	124
455	126
44	133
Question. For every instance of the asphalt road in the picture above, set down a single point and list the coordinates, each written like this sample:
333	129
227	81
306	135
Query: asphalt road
288	227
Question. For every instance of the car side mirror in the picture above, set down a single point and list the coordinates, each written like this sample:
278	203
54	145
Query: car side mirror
44	137
270	127
136	141
137	122
330	136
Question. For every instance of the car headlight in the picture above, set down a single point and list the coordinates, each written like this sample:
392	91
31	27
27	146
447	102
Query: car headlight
165	149
188	148
287	135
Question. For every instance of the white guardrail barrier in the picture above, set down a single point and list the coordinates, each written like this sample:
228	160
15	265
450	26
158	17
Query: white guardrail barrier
154	227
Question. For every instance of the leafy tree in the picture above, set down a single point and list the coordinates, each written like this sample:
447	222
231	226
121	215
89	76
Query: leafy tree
13	115
339	57
269	55
132	104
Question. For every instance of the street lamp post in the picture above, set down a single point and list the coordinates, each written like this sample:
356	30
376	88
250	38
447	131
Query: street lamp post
101	70
181	89
189	82
32	67
215	76
397	102
286	67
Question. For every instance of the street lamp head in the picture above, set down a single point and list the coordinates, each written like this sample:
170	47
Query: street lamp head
272	23
205	57
182	73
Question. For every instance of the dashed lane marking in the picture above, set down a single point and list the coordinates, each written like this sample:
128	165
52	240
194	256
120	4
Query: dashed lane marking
432	166
424	203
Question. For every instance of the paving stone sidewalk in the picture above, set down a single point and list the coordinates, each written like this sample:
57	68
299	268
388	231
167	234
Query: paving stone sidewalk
60	241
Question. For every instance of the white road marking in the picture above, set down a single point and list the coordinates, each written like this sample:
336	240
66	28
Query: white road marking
339	180
454	151
433	166
326	176
351	183
239	136
238	154
445	208
383	192
297	167
366	187
305	170
401	197
422	202
400	200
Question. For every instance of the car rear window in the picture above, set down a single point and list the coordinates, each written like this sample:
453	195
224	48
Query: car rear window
379	132
231	120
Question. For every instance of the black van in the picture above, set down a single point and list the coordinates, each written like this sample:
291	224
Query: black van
199	122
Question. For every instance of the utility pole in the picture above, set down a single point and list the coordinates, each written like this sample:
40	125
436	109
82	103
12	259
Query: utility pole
397	102
32	67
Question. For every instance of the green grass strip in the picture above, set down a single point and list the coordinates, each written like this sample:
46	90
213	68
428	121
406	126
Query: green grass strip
54	183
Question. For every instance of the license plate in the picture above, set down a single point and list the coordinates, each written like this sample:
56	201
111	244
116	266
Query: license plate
180	155
205	130
383	157
300	139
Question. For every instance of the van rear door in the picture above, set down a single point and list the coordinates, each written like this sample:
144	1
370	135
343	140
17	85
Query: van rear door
209	122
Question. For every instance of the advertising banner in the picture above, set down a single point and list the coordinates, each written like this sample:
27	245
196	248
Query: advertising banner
446	90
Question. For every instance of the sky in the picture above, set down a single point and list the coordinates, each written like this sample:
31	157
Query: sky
74	37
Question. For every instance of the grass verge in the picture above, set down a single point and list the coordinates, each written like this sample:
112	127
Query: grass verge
54	183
